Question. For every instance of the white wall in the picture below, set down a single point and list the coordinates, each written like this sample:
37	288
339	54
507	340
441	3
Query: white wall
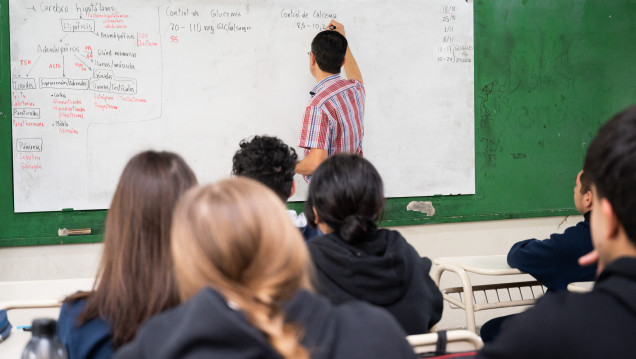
433	241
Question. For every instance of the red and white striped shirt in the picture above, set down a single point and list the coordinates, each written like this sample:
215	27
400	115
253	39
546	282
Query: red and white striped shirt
334	117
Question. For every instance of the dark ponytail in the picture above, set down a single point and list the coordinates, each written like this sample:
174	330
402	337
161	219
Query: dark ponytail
357	228
347	194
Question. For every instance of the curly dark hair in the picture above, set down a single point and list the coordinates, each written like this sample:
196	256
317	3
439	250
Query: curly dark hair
268	160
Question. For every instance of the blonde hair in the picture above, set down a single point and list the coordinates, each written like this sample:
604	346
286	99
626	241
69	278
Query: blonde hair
236	237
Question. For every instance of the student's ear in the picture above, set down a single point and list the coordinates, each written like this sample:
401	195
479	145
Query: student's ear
587	200
611	221
322	226
293	189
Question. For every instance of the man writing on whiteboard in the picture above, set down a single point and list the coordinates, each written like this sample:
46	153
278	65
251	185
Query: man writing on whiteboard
333	121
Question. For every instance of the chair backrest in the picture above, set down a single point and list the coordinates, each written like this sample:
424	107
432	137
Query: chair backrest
456	341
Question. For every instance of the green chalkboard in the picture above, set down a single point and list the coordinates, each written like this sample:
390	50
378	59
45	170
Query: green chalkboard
547	74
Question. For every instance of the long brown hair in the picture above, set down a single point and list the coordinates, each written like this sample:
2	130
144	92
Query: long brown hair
135	278
235	236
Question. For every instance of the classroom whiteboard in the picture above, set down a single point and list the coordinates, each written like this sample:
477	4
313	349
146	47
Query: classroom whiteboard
93	83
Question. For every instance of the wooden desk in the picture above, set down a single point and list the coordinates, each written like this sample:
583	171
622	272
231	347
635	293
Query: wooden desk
495	265
581	287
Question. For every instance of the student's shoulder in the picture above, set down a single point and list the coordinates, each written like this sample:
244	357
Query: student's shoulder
325	241
558	303
69	314
360	317
207	303
553	245
582	228
371	332
397	243
556	313
73	307
560	325
531	334
82	340
191	326
67	320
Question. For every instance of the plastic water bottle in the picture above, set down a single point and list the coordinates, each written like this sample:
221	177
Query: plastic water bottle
44	343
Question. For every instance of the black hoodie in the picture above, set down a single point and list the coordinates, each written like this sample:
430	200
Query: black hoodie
599	324
206	327
385	271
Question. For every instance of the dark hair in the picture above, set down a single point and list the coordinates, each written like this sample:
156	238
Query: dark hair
135	275
329	48
611	165
267	160
586	183
347	193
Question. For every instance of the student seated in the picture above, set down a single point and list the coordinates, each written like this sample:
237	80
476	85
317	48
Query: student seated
602	323
554	261
135	279
355	259
242	268
271	162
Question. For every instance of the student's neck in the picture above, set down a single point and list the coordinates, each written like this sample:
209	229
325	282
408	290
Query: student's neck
324	228
621	247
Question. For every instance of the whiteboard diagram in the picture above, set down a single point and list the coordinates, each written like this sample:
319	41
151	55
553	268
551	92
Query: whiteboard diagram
94	83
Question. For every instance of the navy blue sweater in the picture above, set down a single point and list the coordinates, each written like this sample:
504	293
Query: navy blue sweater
554	261
92	339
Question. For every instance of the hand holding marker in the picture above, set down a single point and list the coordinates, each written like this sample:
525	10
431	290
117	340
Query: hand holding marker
336	26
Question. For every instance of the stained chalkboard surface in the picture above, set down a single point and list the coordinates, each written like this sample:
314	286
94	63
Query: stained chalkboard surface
547	75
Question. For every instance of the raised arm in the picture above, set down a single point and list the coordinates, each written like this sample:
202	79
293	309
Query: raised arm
350	65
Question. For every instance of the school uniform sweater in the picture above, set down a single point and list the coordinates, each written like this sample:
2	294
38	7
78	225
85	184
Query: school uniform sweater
599	324
554	261
300	221
207	327
385	271
92	339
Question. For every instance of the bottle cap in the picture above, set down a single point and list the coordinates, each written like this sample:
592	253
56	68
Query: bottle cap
44	327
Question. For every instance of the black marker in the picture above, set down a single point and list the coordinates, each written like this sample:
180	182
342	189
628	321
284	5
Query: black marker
332	27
